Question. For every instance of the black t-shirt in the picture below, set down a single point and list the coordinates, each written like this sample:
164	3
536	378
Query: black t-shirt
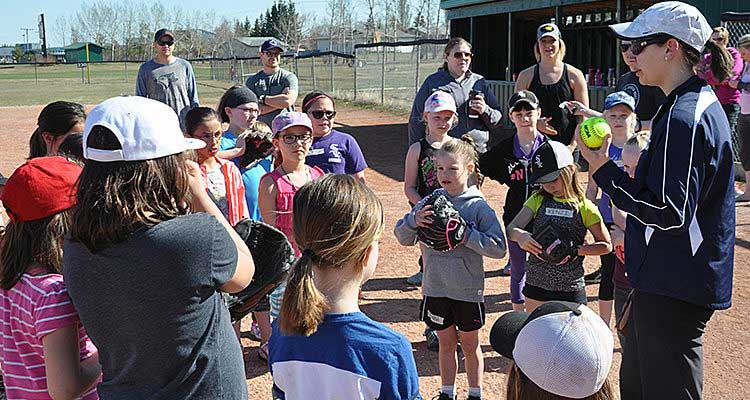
647	98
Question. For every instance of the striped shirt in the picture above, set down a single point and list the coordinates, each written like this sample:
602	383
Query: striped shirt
35	307
235	191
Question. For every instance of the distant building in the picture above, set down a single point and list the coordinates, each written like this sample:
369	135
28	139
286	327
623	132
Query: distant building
76	52
57	52
6	54
356	36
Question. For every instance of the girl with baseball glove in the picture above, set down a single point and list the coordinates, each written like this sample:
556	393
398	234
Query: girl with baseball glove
457	228
323	346
560	215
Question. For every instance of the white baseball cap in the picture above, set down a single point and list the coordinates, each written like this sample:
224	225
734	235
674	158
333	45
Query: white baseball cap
679	20
564	348
146	129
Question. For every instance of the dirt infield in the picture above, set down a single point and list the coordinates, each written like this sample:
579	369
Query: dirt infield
388	299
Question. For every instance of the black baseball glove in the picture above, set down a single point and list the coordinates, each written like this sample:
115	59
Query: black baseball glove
557	245
273	256
447	229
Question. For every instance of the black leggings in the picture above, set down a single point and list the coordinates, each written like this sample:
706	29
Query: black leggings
606	286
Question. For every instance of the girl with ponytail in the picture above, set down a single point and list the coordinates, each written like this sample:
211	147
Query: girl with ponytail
322	345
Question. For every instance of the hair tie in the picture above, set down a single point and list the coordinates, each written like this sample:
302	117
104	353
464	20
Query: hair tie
309	254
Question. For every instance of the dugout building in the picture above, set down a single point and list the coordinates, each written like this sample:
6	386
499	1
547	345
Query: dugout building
502	34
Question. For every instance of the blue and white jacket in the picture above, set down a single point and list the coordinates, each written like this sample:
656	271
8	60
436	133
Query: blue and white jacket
679	240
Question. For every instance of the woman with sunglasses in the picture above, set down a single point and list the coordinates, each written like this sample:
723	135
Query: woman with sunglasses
680	205
647	98
554	82
478	109
332	151
720	65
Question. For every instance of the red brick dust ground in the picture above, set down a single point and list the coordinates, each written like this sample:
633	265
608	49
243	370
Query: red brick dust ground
388	299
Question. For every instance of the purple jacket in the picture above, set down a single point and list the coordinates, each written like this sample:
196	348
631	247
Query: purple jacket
725	93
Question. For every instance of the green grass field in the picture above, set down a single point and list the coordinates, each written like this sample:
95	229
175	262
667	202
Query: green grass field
24	85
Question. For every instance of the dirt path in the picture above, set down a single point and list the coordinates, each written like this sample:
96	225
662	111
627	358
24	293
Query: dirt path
388	299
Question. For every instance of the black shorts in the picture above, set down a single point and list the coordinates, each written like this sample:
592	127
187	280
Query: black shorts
441	312
539	294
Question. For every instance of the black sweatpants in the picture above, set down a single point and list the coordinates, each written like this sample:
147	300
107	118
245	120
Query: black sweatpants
669	341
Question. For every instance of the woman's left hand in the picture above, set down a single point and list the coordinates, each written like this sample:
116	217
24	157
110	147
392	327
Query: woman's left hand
596	158
477	104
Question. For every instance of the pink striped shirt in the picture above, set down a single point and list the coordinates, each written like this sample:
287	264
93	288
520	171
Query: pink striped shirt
35	307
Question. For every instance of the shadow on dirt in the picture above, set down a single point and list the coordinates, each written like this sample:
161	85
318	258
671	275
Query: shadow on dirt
384	147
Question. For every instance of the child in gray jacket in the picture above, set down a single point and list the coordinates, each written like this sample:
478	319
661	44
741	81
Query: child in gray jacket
453	282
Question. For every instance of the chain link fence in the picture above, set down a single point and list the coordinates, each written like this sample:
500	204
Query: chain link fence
382	73
738	25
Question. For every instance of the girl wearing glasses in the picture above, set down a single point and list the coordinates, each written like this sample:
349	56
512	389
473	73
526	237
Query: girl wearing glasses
554	82
292	136
333	151
477	107
239	108
222	178
720	65
680	205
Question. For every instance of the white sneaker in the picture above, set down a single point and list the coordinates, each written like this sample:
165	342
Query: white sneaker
742	197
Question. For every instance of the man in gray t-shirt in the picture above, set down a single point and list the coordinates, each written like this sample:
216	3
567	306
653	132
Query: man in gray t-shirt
167	78
275	87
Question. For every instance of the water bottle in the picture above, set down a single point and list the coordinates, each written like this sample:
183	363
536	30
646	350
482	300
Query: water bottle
473	94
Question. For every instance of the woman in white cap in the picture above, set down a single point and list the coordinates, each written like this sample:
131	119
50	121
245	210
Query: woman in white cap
680	205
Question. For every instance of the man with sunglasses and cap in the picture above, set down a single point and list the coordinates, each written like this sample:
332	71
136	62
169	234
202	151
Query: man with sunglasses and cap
275	87
167	78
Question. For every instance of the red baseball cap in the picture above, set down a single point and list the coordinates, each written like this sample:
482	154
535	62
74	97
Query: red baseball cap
41	187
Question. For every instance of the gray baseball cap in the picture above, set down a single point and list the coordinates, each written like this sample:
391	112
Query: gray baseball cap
679	20
548	29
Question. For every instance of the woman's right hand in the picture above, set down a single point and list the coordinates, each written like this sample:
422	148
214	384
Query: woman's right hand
195	178
527	243
543	126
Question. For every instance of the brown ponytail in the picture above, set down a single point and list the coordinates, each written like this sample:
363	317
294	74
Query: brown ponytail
336	220
466	148
722	63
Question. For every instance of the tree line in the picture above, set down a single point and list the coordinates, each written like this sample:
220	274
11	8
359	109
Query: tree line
126	29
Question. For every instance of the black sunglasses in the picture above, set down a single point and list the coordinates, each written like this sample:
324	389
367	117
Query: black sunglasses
318	114
291	139
165	42
637	47
460	54
624	46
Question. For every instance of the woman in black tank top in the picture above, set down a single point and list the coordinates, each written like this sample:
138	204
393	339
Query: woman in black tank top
549	50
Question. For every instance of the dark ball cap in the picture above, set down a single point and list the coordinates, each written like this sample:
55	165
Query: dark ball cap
163	32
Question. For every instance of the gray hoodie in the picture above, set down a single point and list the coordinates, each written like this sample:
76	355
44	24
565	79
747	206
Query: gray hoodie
458	274
478	128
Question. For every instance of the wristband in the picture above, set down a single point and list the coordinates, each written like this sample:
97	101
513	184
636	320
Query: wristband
263	100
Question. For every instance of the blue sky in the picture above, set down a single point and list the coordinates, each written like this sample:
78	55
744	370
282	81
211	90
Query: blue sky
18	14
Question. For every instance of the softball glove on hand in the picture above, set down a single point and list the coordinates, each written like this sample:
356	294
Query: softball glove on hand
447	229
273	257
557	246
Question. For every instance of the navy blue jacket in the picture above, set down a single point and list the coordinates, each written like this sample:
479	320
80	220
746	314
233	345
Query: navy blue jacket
679	240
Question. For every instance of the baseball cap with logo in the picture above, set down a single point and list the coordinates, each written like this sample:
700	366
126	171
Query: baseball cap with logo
564	348
41	187
617	98
679	20
548	29
163	32
548	160
146	129
271	44
523	96
290	119
440	101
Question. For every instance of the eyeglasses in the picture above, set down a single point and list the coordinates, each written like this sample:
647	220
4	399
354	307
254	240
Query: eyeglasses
319	114
208	139
248	110
637	47
460	54
165	42
292	139
624	46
